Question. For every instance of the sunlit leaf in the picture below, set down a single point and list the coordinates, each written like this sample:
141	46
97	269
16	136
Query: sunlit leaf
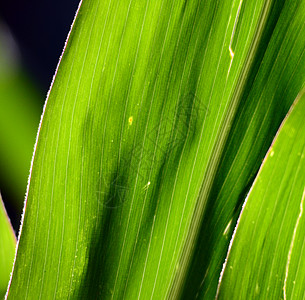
154	111
275	81
266	258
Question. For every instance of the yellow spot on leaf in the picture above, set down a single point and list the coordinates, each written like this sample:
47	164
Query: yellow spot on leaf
231	52
226	231
130	120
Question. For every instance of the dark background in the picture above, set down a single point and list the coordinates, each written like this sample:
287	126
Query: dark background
39	29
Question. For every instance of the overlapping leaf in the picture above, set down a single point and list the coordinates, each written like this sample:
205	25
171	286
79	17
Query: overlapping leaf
266	259
276	79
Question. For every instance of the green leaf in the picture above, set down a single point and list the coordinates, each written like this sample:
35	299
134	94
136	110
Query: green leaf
19	119
275	80
265	258
150	105
7	249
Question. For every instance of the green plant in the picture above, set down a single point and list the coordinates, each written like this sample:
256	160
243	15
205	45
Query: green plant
154	129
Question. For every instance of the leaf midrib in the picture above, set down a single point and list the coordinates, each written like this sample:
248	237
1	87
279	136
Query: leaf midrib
222	136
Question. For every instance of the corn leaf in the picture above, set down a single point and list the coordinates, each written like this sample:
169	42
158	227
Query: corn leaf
275	80
266	257
155	109
7	249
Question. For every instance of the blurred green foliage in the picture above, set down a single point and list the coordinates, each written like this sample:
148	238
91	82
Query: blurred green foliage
7	249
19	119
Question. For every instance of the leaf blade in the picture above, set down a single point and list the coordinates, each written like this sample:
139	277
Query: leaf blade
276	81
263	220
